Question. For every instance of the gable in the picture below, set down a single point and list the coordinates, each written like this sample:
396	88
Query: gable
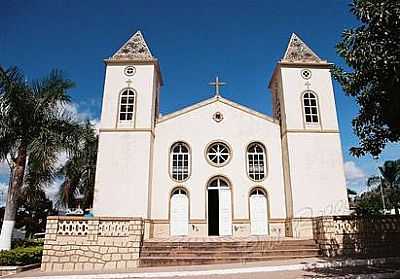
222	102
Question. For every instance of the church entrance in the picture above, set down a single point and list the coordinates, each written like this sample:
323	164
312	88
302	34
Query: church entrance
219	207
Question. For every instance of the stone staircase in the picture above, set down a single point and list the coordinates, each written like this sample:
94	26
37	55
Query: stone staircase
163	253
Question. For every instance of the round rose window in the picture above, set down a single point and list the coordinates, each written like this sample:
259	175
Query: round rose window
218	153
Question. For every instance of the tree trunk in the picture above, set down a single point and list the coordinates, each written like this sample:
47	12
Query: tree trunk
17	180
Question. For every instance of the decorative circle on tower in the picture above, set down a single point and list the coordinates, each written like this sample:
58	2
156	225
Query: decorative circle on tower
218	154
305	73
218	117
129	70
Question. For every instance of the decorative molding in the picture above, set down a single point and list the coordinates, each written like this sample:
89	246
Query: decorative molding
298	51
310	131
105	130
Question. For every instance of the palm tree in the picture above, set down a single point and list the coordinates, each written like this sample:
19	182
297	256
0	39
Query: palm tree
34	129
390	172
79	172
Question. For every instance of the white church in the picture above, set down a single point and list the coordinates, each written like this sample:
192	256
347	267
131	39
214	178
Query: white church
218	167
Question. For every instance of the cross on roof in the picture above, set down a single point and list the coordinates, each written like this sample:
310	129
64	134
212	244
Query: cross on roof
217	84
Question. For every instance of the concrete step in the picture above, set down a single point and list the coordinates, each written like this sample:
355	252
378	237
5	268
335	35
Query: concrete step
230	243
222	253
175	261
227	248
154	253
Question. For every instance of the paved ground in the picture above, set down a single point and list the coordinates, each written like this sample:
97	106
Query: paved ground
381	271
364	272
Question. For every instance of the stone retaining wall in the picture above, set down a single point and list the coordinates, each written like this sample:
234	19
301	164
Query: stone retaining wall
78	243
361	236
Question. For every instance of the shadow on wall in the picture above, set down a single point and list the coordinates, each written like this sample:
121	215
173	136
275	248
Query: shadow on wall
377	236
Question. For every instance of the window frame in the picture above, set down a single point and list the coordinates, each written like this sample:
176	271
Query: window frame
127	112
171	161
265	161
229	148
310	107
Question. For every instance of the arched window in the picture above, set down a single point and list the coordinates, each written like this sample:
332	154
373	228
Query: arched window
257	191
179	191
127	105
218	182
310	107
180	161
218	153
256	161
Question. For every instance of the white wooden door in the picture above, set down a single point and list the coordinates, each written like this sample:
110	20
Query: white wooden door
258	214
179	221
225	212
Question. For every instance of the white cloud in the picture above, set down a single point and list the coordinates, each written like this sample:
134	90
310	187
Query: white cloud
355	176
52	190
4	168
3	194
80	115
74	109
353	171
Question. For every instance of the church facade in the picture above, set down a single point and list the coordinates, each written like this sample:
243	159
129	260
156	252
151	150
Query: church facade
218	167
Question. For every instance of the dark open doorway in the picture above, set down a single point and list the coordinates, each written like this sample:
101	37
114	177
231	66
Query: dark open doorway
213	212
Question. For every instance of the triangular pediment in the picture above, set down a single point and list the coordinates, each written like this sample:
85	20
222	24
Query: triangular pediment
134	49
214	99
298	51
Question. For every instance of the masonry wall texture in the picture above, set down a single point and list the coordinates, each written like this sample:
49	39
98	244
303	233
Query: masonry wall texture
77	243
358	236
89	244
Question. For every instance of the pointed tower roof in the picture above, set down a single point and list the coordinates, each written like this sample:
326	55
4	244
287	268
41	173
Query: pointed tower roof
298	51
134	49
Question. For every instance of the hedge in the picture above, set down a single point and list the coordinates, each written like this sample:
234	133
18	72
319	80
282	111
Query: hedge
21	256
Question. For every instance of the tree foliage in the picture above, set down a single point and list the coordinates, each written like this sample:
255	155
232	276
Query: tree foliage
34	207
372	51
79	172
385	192
34	129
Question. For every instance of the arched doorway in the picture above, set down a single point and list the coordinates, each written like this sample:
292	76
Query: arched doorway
179	212
258	212
219	207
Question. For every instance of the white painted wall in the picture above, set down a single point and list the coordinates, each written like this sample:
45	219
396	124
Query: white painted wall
142	82
122	175
123	178
133	180
317	176
293	85
315	153
198	129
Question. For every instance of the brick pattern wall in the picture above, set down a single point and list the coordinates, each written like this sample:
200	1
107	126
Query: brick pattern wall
78	243
362	236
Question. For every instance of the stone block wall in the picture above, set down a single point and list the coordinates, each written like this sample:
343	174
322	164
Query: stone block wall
78	243
358	236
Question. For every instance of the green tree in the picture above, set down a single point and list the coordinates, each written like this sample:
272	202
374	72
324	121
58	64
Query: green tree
390	172
384	193
34	129
369	203
34	207
372	51
79	172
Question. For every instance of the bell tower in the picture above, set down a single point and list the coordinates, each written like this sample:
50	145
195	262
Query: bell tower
304	103
126	135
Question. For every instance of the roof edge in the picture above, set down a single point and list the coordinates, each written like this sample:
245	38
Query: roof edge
212	100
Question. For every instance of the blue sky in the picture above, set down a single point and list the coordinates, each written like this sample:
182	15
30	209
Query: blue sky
241	41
